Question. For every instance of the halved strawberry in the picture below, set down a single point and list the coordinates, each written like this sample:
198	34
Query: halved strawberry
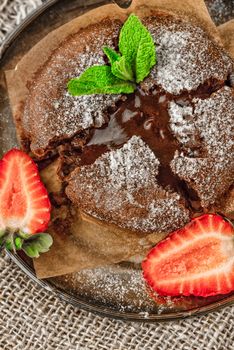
24	203
195	260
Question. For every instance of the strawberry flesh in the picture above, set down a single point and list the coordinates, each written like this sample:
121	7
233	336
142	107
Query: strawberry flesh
195	260
24	202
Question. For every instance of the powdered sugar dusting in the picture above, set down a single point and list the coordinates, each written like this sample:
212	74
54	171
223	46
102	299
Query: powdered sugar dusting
130	168
58	114
186	57
181	122
127	166
121	187
122	287
125	287
212	123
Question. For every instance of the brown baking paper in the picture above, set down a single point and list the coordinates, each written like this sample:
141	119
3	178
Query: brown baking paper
87	242
226	32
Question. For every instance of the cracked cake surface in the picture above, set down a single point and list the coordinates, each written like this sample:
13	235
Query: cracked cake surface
186	58
57	114
121	187
147	161
208	165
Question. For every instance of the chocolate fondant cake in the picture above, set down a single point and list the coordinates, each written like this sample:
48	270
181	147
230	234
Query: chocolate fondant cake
147	161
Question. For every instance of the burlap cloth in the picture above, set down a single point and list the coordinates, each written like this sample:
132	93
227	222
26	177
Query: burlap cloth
33	318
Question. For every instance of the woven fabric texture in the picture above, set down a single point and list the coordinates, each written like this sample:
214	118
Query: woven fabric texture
33	318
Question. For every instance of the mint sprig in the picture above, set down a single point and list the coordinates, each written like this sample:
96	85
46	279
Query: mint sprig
99	80
127	68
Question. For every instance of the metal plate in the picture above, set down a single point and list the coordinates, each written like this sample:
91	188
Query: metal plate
116	291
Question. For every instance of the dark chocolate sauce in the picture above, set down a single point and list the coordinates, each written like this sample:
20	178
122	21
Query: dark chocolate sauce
91	153
145	116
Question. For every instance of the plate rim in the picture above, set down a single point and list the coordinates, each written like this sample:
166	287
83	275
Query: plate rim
110	313
9	39
59	292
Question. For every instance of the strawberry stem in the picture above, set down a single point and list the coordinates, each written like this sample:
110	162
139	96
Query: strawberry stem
10	243
10	240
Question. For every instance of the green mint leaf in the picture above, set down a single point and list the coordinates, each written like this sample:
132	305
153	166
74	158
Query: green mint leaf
138	57
122	69
119	67
36	244
99	80
146	57
137	46
112	55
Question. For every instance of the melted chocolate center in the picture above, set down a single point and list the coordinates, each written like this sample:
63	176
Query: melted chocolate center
145	116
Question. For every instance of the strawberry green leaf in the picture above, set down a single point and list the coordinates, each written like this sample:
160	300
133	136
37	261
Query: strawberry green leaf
36	244
2	233
23	234
137	46
112	55
99	80
18	243
31	250
9	244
